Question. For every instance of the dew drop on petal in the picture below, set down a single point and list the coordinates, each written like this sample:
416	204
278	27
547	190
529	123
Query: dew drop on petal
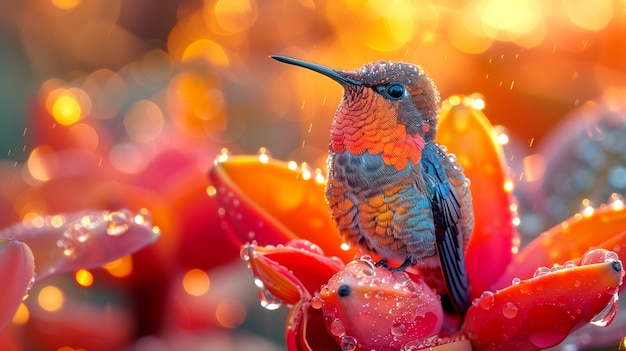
586	208
616	201
606	316
509	310
337	328
348	343
541	271
246	251
118	223
268	301
317	302
593	256
398	329
486	300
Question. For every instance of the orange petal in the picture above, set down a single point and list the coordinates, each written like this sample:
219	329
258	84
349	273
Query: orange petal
290	273
466	132
568	241
540	312
17	269
272	204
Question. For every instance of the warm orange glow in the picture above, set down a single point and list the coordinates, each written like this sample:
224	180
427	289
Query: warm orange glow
83	277
65	4
85	136
196	282
534	167
230	313
42	163
21	316
208	50
66	110
589	15
120	268
235	15
51	298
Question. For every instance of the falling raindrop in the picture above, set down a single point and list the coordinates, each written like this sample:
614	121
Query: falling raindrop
118	223
268	301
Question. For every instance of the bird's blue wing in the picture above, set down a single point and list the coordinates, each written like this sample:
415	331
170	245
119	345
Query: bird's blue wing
446	208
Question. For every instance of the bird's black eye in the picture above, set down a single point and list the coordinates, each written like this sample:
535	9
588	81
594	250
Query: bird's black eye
395	91
391	91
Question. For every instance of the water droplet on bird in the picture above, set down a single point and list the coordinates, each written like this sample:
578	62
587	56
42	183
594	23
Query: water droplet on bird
516	281
268	301
118	223
317	302
509	310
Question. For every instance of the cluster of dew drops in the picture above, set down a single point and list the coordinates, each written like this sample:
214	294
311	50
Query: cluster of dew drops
73	233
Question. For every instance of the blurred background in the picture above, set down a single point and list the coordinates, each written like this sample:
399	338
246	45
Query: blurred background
119	103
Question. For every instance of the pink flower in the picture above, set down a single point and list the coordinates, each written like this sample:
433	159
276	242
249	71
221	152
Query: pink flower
524	299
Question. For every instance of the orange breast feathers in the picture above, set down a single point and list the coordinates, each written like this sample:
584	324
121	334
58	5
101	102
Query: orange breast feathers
360	127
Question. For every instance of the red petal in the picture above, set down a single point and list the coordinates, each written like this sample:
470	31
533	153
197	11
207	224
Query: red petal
290	273
305	330
17	270
568	241
467	133
268	202
540	312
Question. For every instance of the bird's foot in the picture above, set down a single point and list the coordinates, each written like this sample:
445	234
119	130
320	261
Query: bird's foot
401	268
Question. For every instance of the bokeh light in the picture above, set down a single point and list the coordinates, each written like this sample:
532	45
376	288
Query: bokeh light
51	298
196	282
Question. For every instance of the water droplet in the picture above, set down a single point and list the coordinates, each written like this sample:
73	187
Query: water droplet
576	283
593	256
246	251
348	343
268	301
541	271
516	281
606	316
586	208
118	223
90	222
77	232
223	156
67	246
264	155
616	201
398	329
337	328
467	182
317	302
452	158
562	300
569	264
610	256
509	310
211	190
487	300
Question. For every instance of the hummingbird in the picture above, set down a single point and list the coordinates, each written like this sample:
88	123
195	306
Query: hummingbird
391	189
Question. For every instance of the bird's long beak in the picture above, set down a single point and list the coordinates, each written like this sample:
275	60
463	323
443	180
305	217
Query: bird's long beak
328	72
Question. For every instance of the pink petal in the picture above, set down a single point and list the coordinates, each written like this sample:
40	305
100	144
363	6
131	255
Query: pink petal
64	243
17	271
305	330
375	308
468	134
540	312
